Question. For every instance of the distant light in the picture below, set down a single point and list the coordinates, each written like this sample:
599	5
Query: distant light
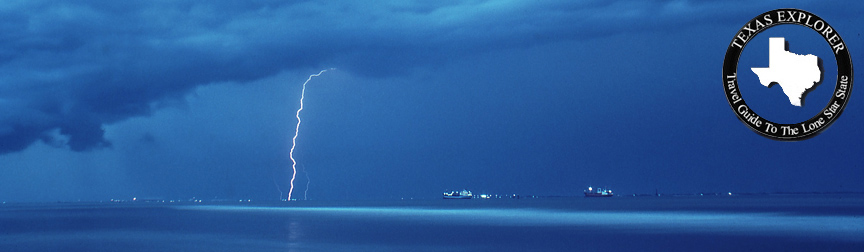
730	193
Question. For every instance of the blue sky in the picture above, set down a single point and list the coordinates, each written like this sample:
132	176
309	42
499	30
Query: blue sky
180	99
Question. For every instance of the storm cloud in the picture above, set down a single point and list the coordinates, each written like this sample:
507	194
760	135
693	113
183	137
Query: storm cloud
69	68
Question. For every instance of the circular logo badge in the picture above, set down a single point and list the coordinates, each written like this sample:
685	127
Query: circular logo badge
796	74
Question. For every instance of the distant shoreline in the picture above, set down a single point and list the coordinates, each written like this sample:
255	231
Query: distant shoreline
524	197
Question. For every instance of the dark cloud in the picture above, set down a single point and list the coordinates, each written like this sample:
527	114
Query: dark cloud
77	66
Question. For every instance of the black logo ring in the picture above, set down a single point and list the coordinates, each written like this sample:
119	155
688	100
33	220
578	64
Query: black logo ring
814	125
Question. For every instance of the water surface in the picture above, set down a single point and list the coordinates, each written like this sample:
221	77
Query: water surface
716	223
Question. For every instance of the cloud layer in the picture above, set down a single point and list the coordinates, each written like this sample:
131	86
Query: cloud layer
67	69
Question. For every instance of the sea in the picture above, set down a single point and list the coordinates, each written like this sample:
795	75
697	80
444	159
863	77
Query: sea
665	223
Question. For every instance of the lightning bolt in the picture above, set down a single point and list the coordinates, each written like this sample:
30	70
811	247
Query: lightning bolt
308	181
297	131
278	188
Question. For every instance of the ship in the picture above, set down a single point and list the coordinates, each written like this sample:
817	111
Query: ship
464	194
599	192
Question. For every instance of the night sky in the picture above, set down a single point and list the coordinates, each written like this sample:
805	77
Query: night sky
182	99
